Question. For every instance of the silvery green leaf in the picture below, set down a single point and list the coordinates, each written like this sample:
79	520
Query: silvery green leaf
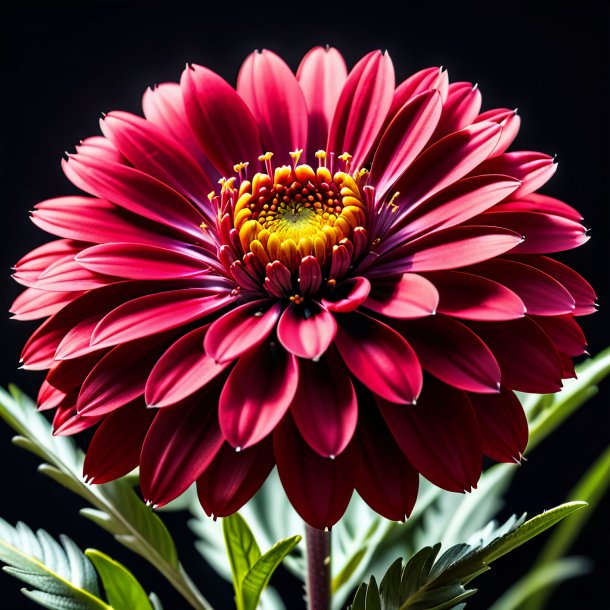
60	575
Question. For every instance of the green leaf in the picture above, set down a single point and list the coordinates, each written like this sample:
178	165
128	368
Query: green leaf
257	578
124	592
61	576
242	550
116	506
251	570
428	583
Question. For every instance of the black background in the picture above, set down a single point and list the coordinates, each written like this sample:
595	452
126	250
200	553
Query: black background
64	63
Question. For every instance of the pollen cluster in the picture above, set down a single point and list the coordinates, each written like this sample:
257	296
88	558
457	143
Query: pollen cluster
298	212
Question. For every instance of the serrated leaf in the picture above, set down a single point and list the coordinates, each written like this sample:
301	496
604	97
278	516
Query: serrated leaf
428	583
258	576
127	518
61	576
123	590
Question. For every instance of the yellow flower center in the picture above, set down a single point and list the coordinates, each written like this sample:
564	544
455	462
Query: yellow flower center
300	212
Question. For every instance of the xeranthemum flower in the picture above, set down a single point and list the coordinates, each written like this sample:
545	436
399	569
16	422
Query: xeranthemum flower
322	272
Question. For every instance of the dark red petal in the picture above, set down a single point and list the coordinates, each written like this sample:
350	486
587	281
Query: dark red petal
386	480
439	435
180	444
241	329
412	296
119	377
564	332
233	477
319	488
182	370
279	106
528	359
453	353
306	330
220	119
347	295
325	408
115	447
504	430
471	297
362	107
540	293
257	393
379	357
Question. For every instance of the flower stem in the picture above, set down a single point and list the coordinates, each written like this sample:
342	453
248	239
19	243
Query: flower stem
318	568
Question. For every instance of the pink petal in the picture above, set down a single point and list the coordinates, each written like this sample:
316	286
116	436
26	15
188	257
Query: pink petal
97	221
532	168
386	480
581	291
220	119
528	359
503	424
181	443
540	293
362	107
321	75
33	304
543	233
155	313
347	295
108	387
49	397
412	296
471	297
460	108
182	370
319	488
35	262
257	393
232	478
440	436
164	106
325	408
114	450
451	248
535	202
428	78
564	332
510	122
241	329
404	139
306	330
141	262
149	149
445	162
454	354
68	275
379	357
273	95
453	205
139	193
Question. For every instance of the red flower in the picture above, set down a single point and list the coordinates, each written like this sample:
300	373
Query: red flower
354	319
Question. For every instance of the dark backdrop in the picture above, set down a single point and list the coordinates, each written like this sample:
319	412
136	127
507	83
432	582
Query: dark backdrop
65	62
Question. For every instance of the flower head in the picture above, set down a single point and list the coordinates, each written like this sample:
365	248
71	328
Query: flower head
323	272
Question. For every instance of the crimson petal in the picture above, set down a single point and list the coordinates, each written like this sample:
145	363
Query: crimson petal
319	488
440	436
379	357
180	444
412	296
325	408
233	477
257	393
